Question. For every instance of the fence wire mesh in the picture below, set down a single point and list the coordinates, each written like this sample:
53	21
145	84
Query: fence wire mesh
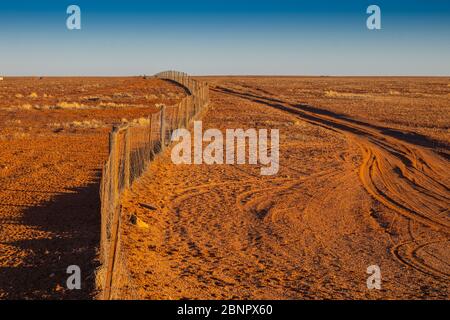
132	147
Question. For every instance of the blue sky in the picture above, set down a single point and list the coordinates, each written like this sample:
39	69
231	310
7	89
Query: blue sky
321	37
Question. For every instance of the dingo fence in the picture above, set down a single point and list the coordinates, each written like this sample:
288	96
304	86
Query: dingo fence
132	147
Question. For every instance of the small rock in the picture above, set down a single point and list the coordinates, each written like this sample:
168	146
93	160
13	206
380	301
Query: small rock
138	222
147	206
59	288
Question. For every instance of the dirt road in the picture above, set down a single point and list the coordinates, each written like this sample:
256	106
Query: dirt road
349	194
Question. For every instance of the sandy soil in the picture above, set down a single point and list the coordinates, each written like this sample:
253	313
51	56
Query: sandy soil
53	142
364	180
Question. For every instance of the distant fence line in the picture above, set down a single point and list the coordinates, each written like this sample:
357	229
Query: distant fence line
131	148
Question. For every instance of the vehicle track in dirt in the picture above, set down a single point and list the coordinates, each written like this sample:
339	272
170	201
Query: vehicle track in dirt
409	179
310	232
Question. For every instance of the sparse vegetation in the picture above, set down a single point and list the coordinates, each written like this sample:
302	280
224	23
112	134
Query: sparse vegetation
419	105
143	121
335	94
48	173
25	106
14	136
68	105
53	141
85	124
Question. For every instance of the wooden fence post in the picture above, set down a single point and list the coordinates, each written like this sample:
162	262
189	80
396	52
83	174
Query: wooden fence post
186	113
113	172
127	166
150	138
114	165
187	110
163	128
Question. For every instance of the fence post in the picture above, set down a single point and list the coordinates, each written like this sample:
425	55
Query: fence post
114	166
115	197
186	113
163	128
127	167
150	138
177	117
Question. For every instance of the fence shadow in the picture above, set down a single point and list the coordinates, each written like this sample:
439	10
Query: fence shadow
131	149
70	224
177	84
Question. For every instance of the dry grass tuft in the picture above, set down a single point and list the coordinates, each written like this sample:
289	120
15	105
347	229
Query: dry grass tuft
14	136
112	105
138	122
120	95
91	98
69	105
85	124
151	97
25	106
335	94
14	122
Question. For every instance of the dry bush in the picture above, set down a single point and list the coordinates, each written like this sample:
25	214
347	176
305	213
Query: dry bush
13	122
335	94
151	97
14	136
75	106
139	122
25	106
113	105
91	98
122	95
68	105
85	124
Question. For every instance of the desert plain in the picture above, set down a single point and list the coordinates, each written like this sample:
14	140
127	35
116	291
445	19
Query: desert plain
364	180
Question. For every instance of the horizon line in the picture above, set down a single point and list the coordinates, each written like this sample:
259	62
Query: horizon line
228	75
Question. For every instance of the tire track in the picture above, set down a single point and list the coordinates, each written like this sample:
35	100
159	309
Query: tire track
256	202
407	178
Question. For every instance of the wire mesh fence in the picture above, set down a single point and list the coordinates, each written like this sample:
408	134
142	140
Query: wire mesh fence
132	147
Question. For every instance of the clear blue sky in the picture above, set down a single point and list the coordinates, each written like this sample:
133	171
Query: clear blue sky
321	37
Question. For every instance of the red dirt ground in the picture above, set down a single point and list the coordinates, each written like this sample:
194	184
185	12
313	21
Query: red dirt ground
364	180
50	162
